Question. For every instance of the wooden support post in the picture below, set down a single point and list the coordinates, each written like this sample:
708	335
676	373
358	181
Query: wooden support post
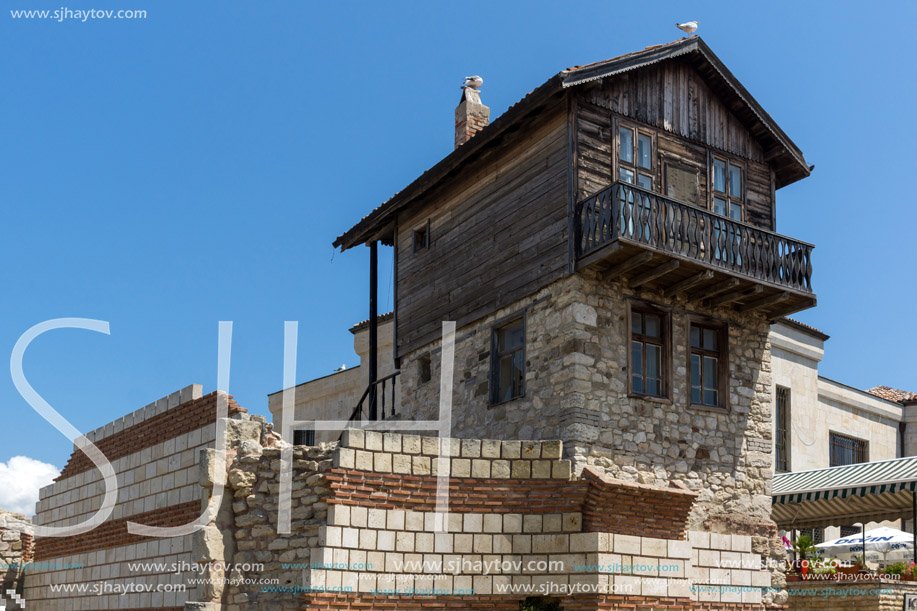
690	282
650	275
626	266
914	520
373	327
764	302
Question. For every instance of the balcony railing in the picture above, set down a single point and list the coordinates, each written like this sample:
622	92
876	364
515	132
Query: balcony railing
625	213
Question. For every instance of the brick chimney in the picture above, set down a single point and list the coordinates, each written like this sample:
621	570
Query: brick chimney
471	116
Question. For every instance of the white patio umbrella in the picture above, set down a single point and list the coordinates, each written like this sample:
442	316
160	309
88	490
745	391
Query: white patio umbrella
883	544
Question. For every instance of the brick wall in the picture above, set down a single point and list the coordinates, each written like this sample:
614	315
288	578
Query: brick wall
364	532
155	454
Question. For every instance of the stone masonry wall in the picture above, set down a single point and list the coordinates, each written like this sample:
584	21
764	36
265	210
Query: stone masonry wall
365	534
15	552
576	389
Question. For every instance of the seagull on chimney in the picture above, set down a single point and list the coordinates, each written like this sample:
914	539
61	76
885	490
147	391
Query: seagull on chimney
688	26
473	81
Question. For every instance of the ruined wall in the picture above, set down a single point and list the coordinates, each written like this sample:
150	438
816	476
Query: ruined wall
155	453
365	534
16	549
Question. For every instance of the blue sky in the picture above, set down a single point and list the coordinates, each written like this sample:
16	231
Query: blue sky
168	173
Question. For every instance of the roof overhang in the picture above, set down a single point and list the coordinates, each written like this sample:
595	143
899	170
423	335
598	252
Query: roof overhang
779	150
837	496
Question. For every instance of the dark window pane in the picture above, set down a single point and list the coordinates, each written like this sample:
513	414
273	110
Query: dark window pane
735	181
709	339
653	325
710	397
695	337
695	371
518	373
719	206
653	361
695	394
505	378
710	372
636	357
511	337
637	383
627	144
653	387
636	322
644	181
719	175
735	211
644	151
626	175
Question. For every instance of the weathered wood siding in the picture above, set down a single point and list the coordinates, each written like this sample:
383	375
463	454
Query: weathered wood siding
497	233
690	122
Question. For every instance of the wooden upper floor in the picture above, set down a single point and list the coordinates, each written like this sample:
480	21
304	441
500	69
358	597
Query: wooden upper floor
656	167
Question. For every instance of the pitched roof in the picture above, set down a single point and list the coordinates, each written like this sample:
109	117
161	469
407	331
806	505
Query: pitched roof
892	394
781	150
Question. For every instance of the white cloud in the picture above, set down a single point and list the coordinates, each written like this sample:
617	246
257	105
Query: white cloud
20	479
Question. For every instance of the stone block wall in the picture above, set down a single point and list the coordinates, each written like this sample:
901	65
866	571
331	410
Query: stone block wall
16	549
576	389
155	453
365	532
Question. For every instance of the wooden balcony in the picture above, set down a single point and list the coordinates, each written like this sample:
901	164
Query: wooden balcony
652	241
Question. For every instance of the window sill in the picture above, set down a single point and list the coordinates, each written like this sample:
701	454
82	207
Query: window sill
491	405
662	400
709	408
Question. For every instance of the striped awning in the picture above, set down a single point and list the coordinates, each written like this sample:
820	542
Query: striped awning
867	492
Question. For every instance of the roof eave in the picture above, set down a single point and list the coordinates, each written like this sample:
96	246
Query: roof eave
378	218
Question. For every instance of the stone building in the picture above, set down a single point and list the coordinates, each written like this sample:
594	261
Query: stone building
607	248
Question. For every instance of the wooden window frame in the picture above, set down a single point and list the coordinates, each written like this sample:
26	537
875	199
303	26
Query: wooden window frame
423	230
665	374
496	354
863	452
652	172
722	361
784	426
713	194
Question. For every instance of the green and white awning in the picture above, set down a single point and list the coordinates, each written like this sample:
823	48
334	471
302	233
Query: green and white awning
837	496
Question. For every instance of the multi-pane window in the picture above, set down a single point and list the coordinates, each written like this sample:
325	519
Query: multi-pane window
817	534
635	157
303	437
846	450
728	193
781	430
507	379
705	367
648	352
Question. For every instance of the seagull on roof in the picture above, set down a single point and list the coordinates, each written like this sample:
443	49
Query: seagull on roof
473	81
688	26
341	368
